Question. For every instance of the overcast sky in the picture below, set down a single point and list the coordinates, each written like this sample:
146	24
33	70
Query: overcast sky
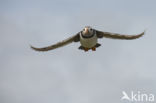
69	75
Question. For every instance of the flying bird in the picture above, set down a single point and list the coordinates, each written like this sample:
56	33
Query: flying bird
88	39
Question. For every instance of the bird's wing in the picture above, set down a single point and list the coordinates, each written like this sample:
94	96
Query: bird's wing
74	38
101	34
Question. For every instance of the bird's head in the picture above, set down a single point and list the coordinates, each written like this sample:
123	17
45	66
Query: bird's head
87	31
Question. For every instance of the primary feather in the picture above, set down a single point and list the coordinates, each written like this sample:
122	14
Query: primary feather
74	38
101	34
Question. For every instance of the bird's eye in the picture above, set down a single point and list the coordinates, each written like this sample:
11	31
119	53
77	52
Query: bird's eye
91	29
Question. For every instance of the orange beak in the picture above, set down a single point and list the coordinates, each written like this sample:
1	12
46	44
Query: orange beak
86	30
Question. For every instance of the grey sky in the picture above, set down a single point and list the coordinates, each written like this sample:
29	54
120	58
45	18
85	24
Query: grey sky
67	74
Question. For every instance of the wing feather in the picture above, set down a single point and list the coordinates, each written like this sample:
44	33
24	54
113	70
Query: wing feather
101	34
74	38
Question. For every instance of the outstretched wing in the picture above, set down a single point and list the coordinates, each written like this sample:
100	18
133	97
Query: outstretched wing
101	34
74	38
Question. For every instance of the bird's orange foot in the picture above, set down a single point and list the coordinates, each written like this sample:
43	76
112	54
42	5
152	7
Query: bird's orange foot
86	49
94	49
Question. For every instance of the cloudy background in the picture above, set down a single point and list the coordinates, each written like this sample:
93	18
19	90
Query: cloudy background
68	75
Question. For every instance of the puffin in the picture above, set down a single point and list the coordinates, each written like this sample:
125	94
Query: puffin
88	38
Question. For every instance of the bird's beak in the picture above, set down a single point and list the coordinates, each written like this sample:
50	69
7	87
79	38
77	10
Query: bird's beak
86	30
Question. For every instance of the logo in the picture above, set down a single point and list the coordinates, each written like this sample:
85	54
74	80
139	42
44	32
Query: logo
137	97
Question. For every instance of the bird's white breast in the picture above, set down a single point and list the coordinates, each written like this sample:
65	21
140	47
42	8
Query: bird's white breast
88	42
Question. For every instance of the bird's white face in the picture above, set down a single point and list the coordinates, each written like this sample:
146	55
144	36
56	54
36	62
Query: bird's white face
87	31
